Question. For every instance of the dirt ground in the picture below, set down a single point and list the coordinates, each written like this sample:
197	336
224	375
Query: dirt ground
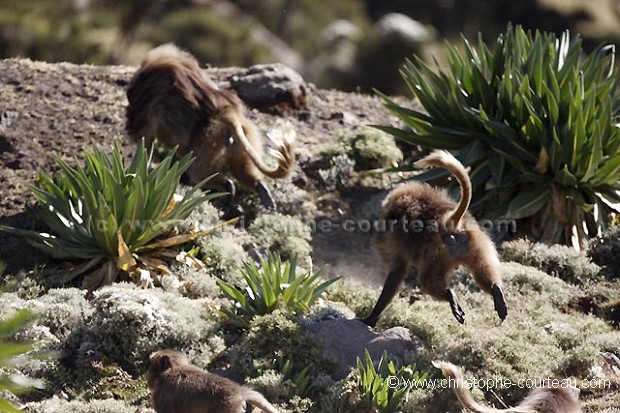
57	110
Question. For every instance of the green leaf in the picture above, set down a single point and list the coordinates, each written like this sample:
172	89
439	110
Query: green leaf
528	203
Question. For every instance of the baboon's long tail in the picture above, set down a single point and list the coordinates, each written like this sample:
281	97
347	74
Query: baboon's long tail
256	399
453	373
444	159
283	149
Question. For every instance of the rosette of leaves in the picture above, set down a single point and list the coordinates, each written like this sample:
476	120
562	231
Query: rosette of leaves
112	218
384	387
271	286
537	122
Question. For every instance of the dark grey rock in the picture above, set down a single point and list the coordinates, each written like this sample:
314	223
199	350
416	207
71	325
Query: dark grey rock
268	85
345	340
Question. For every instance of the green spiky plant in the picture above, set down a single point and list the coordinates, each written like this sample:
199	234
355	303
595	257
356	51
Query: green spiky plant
300	378
274	285
384	387
114	219
536	120
9	351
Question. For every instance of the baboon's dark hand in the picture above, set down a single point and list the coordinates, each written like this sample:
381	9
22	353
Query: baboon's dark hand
457	311
500	301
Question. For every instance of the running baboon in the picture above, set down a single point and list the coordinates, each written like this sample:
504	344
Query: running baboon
540	400
172	100
427	230
180	387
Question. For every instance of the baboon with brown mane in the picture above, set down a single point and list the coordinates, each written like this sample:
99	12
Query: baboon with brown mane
173	101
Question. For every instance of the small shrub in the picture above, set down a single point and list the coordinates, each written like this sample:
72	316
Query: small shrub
116	218
285	235
605	251
601	299
61	310
299	378
223	256
24	285
293	200
272	337
558	260
196	283
274	285
338	172
129	323
377	390
93	406
611	312
369	148
534	119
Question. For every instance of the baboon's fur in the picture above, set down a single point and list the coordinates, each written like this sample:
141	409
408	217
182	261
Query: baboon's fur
435	235
173	101
180	387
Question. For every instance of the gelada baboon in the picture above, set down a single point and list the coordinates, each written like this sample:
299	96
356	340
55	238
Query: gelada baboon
172	100
180	387
540	400
427	230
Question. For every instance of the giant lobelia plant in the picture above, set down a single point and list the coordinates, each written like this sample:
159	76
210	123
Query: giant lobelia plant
536	120
111	219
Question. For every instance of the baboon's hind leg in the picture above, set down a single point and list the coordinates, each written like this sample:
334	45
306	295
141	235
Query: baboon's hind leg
433	275
499	302
392	282
457	311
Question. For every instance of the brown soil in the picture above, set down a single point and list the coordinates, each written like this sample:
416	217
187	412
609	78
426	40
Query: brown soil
57	110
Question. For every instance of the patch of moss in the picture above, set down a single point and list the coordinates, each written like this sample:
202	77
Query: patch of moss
558	260
204	216
62	310
285	235
369	147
